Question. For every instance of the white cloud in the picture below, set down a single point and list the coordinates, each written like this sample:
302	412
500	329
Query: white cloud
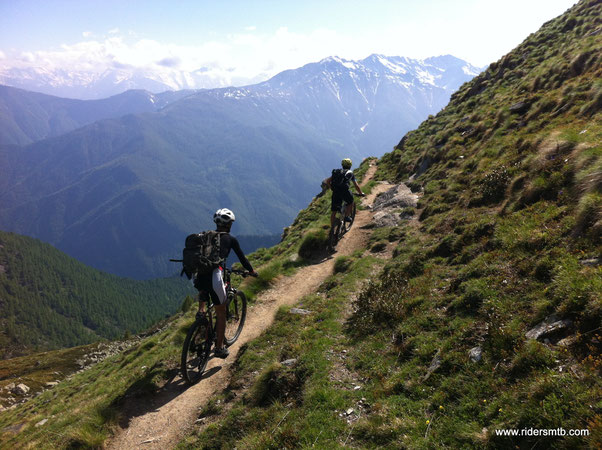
113	31
237	59
87	34
251	28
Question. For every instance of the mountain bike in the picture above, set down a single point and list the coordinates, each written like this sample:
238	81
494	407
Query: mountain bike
202	334
341	224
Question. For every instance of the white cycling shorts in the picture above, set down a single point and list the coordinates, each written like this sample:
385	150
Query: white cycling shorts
219	288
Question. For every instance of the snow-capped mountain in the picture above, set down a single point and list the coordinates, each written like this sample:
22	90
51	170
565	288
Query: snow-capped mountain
373	100
93	85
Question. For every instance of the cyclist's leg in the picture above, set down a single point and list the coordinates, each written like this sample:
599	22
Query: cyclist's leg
348	197
335	206
220	306
200	283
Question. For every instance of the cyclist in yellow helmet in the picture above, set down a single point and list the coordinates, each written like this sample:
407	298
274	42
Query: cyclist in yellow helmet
339	183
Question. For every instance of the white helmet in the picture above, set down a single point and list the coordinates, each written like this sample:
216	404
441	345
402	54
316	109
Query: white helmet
223	216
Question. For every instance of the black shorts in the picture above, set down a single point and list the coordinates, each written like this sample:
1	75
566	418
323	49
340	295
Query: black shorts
338	197
204	284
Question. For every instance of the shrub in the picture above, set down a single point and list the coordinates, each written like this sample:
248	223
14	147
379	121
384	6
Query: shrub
533	355
277	383
380	305
589	211
493	185
314	244
342	264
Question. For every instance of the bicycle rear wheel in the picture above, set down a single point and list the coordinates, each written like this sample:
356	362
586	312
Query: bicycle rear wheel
333	237
347	225
195	352
236	313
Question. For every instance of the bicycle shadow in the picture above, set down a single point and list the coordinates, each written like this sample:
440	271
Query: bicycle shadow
143	397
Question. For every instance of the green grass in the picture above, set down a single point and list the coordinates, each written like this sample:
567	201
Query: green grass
271	405
82	410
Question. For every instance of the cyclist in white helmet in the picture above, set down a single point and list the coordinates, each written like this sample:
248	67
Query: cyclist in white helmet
213	283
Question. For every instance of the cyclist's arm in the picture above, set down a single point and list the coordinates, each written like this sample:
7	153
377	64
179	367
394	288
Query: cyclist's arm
357	187
241	256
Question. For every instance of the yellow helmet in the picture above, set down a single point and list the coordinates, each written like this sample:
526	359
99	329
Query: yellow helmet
346	163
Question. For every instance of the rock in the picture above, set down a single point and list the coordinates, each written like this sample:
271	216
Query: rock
51	384
10	387
593	262
289	362
349	411
399	196
476	354
520	107
21	389
300	311
567	342
550	326
435	364
422	166
41	422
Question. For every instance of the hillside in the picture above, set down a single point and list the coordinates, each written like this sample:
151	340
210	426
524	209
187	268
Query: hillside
475	311
142	182
27	117
49	300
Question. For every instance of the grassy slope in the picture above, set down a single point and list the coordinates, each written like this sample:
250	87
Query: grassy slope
510	212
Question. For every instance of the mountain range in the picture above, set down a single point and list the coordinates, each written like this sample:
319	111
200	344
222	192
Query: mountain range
120	193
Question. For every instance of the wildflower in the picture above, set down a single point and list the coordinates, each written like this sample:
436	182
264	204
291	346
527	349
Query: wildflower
440	406
500	410
428	421
484	401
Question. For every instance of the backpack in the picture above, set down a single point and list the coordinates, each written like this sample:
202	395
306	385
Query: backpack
339	181
201	253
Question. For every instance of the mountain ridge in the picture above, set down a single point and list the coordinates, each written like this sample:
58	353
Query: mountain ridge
271	144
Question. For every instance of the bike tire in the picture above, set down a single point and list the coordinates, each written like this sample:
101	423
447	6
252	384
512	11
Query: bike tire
236	313
195	352
347	225
333	237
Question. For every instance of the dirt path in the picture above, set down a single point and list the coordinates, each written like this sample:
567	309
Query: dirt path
172	412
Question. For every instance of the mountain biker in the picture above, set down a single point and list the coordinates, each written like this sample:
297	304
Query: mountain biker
339	183
212	284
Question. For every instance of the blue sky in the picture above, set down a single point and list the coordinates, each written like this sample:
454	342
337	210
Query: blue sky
256	39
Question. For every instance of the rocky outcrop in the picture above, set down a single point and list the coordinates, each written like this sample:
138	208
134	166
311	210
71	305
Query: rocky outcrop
388	206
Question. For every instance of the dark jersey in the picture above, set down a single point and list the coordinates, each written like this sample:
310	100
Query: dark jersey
228	242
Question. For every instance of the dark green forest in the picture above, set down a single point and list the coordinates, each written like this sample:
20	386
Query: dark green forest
49	300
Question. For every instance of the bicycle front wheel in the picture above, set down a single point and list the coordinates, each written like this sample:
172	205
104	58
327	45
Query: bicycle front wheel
195	352
236	313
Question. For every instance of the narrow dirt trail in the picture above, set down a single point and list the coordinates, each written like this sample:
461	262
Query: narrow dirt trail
172	412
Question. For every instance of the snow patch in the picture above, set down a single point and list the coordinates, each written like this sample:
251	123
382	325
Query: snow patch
391	66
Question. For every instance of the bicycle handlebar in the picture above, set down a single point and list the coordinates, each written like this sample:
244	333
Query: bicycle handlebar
243	273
